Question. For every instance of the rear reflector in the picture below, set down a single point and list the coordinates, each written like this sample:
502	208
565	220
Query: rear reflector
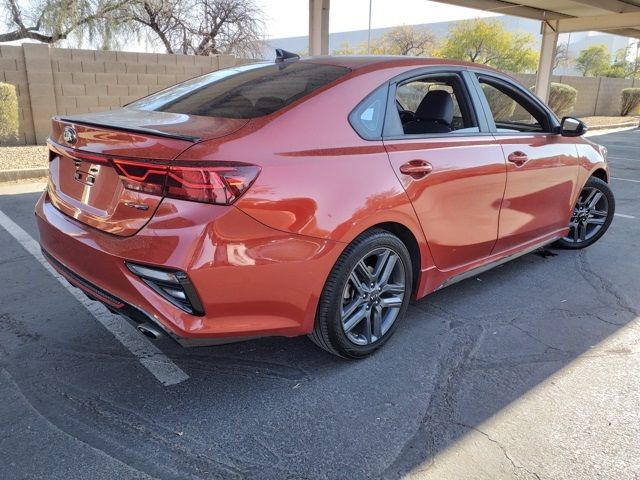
209	182
172	285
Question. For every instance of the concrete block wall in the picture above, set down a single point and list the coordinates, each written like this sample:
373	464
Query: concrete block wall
52	81
57	81
14	71
608	96
596	95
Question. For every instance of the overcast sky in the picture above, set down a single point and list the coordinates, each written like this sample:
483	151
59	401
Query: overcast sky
289	18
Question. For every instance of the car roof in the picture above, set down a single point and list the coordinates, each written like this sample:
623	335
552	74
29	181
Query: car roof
380	62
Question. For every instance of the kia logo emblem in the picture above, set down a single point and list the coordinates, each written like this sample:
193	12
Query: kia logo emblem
70	135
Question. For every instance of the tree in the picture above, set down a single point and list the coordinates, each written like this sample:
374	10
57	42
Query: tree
50	21
402	40
622	67
561	57
344	49
593	61
487	42
405	40
200	27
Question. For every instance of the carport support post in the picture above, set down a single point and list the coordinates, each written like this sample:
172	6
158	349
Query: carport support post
318	27
545	65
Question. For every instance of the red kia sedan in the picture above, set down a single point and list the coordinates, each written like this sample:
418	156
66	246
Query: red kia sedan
312	196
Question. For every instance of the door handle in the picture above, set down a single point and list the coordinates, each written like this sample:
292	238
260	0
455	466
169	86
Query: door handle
518	158
416	168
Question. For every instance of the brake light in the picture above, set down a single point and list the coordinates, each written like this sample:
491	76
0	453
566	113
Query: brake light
211	182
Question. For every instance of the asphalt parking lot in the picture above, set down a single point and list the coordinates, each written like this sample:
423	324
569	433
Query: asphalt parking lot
530	371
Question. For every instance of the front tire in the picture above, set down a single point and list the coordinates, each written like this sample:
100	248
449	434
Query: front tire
365	296
591	216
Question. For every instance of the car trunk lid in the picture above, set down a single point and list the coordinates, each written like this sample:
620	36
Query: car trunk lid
84	180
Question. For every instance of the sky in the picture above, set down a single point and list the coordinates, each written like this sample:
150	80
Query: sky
290	18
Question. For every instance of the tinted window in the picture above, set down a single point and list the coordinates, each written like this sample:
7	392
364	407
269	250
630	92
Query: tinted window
416	97
244	92
511	110
368	117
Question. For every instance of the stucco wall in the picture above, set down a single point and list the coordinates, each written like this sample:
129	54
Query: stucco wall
52	81
596	95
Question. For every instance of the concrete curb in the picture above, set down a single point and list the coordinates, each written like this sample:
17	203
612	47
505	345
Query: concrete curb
22	174
616	125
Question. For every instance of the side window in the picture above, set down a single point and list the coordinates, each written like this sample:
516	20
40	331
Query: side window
434	104
511	110
368	116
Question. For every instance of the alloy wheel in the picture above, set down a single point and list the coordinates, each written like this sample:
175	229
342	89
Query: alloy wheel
589	215
373	296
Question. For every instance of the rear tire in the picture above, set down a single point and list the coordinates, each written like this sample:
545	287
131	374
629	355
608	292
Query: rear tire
591	216
365	296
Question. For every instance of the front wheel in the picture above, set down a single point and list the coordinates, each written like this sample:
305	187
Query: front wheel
591	216
365	296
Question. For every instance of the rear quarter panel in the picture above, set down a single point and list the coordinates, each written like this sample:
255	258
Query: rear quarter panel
319	178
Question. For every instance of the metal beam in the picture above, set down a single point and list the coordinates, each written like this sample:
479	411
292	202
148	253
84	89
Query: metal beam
545	65
618	23
616	6
507	8
318	27
600	22
626	32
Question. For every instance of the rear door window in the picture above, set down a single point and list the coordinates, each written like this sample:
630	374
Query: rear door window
419	102
249	91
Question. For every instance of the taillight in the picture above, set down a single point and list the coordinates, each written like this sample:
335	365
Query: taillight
211	182
142	176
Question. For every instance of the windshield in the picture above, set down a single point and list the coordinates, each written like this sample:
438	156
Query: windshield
248	91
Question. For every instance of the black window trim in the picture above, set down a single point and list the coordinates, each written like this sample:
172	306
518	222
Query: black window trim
354	124
519	91
469	93
476	100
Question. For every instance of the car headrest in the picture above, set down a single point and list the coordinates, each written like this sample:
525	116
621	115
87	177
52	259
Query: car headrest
269	104
437	105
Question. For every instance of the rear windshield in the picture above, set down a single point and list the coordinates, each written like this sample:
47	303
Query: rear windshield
248	91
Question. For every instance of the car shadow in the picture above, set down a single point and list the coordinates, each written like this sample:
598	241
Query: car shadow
282	408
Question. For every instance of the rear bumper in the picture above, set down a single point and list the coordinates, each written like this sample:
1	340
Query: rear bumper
252	280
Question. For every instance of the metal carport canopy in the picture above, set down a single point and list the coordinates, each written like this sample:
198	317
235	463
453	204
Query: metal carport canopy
619	17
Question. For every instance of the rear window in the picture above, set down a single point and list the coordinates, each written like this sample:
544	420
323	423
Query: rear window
248	91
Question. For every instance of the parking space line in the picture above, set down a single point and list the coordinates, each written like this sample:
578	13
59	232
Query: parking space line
623	215
625	179
616	157
158	364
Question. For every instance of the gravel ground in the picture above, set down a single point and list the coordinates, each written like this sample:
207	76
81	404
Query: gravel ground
23	157
608	121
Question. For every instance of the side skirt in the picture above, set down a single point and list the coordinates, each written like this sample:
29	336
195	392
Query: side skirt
494	263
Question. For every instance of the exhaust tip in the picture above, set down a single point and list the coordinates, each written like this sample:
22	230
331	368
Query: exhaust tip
149	331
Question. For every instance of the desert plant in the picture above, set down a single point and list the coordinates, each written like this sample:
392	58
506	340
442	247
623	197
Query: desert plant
8	113
562	98
630	100
502	106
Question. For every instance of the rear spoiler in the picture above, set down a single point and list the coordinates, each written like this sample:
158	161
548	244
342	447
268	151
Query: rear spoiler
150	131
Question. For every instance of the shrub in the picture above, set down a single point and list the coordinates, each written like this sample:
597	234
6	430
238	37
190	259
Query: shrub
8	113
502	107
562	98
630	100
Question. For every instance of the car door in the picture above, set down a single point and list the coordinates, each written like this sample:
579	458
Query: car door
542	165
455	179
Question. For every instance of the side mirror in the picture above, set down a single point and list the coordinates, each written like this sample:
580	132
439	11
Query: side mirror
572	127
